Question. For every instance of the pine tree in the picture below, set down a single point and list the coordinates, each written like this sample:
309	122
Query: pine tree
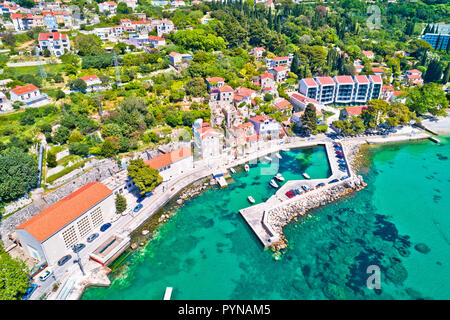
446	77
434	71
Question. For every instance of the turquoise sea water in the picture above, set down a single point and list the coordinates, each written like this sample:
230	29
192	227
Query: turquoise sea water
206	251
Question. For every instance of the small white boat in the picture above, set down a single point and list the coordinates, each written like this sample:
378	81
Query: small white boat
278	156
268	158
232	170
273	183
247	168
279	177
285	149
250	199
168	293
306	175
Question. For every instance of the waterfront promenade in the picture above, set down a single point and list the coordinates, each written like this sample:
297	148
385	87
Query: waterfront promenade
125	225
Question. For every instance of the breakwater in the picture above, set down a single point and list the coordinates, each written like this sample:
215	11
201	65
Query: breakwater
280	216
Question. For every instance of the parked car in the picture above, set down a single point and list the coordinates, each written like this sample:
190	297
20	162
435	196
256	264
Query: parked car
47	273
320	185
289	194
78	247
92	237
29	291
64	259
296	191
333	181
139	200
138	207
105	227
305	187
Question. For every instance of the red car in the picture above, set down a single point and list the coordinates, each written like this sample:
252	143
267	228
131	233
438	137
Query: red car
289	194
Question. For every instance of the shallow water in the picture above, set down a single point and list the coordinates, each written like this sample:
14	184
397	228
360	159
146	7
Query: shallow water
207	251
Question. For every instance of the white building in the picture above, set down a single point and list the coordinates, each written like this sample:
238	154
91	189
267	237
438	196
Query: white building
172	164
51	234
108	6
57	43
93	83
29	95
208	142
342	90
163	27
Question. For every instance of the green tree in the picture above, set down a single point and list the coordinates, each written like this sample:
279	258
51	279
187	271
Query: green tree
13	277
121	203
110	147
309	118
144	177
51	160
78	85
61	135
427	98
18	174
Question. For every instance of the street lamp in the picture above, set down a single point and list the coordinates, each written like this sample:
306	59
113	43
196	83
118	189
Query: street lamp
78	260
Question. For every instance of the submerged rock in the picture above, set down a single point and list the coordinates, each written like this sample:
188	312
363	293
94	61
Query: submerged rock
422	248
397	273
334	292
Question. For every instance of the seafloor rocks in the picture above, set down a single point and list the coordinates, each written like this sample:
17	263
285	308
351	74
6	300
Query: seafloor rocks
334	292
422	248
397	273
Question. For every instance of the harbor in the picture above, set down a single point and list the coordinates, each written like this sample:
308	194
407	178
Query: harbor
262	218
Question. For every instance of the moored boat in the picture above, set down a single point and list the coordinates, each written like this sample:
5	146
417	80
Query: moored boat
250	199
268	158
247	168
304	174
279	177
273	183
278	156
232	170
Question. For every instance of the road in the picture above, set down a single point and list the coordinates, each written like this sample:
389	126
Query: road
125	225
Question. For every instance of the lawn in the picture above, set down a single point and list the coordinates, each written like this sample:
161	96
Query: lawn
52	68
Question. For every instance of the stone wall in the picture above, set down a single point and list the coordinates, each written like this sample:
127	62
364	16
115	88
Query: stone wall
8	225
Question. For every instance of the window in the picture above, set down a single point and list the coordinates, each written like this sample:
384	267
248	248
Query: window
96	217
70	237
84	226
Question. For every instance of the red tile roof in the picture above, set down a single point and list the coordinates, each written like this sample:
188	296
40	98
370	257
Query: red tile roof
266	75
361	79
225	88
245	92
303	98
169	158
355	111
283	104
24	89
52	35
280	68
378	69
344	79
259	119
88	78
325	81
156	38
310	82
54	218
214	79
375	78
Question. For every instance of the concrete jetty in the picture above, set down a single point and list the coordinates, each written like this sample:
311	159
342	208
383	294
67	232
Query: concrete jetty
261	218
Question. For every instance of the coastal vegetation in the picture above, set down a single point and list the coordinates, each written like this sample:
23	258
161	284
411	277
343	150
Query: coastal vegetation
13	277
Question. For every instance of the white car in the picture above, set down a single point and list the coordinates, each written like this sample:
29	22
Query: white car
47	273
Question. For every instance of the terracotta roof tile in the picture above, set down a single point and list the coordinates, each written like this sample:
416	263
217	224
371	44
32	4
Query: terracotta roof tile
54	218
